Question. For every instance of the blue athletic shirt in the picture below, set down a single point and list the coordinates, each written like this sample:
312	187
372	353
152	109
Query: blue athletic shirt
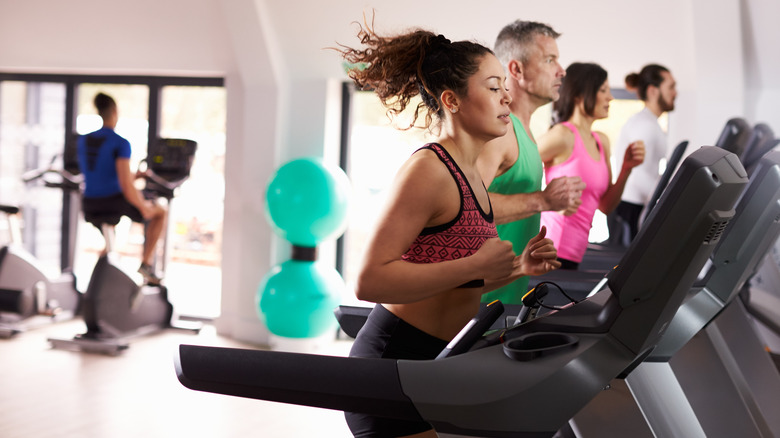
98	152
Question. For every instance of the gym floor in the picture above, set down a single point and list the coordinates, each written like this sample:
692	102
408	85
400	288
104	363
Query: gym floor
49	393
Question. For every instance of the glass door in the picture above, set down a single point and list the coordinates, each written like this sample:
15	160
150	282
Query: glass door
194	276
32	133
377	149
37	114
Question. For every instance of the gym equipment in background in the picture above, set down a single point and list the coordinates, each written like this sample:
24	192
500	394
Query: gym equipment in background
28	297
529	380
762	140
116	307
709	374
734	136
306	203
761	298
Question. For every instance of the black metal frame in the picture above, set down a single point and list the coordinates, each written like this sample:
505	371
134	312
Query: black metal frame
71	81
347	90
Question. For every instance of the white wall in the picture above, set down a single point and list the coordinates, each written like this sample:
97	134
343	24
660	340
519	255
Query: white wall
254	121
279	74
718	59
761	43
696	39
122	37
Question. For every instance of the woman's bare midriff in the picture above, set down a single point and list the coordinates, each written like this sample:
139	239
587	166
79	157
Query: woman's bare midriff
452	310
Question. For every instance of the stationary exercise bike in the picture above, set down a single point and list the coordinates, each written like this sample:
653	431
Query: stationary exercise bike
28	297
116	307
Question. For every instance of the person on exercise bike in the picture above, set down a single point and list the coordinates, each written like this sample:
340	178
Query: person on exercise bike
104	160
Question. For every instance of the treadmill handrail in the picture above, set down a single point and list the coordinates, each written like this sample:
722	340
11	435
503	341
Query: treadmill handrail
354	384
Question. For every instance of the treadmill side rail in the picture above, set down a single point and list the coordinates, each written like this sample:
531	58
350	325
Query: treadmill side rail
350	384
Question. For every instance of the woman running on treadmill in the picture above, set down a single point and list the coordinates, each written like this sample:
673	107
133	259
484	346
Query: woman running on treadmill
435	249
572	148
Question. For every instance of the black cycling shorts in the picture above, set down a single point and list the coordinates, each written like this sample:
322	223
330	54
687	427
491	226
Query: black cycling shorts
115	205
387	336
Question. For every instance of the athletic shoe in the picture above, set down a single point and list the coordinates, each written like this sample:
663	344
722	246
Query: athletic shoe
149	275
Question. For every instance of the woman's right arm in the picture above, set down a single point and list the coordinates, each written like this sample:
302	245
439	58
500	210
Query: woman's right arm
555	145
423	194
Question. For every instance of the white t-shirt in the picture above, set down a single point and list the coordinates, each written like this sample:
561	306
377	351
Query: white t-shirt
643	179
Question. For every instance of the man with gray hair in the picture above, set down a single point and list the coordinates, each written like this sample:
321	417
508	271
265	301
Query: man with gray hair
510	165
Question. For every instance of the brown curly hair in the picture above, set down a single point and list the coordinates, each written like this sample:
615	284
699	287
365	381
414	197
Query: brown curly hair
398	68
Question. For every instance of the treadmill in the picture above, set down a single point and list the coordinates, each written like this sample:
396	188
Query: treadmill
762	296
709	375
577	284
737	137
761	299
530	379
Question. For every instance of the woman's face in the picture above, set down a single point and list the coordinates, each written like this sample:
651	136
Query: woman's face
603	97
484	110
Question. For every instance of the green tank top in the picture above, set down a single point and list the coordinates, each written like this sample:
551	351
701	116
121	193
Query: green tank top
525	176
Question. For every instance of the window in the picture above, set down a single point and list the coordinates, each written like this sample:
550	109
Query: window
37	114
376	150
32	126
195	227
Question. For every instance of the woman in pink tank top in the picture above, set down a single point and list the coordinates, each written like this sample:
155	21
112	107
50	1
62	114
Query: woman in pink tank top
570	148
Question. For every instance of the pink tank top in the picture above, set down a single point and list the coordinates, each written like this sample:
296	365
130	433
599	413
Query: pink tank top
570	233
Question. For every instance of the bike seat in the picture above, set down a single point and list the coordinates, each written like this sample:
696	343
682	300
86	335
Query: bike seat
9	209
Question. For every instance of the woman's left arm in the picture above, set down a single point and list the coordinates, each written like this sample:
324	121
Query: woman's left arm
634	156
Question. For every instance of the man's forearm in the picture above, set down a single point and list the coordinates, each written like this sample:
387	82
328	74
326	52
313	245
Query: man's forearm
514	207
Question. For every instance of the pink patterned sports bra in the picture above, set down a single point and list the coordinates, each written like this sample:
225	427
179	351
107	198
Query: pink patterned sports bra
460	237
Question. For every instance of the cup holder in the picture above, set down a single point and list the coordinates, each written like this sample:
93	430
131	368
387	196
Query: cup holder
533	345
